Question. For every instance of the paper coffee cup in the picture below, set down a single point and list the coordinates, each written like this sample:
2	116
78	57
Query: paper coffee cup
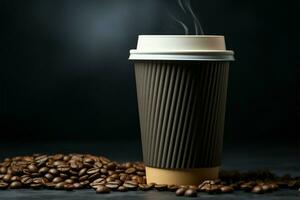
181	86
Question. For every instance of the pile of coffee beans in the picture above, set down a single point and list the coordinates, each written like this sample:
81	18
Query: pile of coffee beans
79	171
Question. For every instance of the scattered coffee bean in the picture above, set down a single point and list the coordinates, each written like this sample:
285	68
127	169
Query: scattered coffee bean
3	185
226	189
77	171
180	191
190	193
102	189
15	185
122	189
257	190
161	187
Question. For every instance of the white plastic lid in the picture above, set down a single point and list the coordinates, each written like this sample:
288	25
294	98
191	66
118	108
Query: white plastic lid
181	47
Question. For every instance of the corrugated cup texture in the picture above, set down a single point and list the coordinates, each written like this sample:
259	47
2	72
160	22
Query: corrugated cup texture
181	110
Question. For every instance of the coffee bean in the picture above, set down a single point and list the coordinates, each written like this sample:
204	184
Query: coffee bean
7	177
77	186
93	171
63	168
145	187
98	165
82	172
32	168
3	185
102	189
246	187
112	185
3	170
122	189
257	190
299	189
94	176
180	191
83	178
173	188
226	189
161	187
36	186
69	187
15	178
131	185
190	193
53	171
43	170
60	186
130	170
57	180
266	188
15	185
26	180
69	181
49	176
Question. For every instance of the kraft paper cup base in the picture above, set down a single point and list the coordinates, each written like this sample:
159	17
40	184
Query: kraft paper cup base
180	176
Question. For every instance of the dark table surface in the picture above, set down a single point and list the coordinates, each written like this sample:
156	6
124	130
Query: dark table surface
280	160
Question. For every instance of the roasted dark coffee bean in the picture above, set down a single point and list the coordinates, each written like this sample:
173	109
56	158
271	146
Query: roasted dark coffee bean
36	186
246	187
63	168
161	187
145	187
180	191
131	185
130	170
99	180
257	190
84	183
274	186
212	189
49	176
64	175
103	171
266	188
111	166
57	180
173	187
82	172
57	157
69	187
15	185
3	170
69	181
102	189
83	178
53	171
112	186
26	180
77	186
98	164
32	168
122	189
60	186
226	189
7	177
43	170
93	171
94	176
15	178
3	185
190	193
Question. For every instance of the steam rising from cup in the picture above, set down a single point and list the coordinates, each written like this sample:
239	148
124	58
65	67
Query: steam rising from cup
186	7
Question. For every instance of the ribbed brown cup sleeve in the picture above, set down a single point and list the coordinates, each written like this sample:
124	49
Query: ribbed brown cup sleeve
181	111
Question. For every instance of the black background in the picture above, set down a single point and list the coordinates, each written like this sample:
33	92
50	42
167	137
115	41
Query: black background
65	73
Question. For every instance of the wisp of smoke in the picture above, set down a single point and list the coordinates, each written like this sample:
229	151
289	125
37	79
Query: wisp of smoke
185	5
